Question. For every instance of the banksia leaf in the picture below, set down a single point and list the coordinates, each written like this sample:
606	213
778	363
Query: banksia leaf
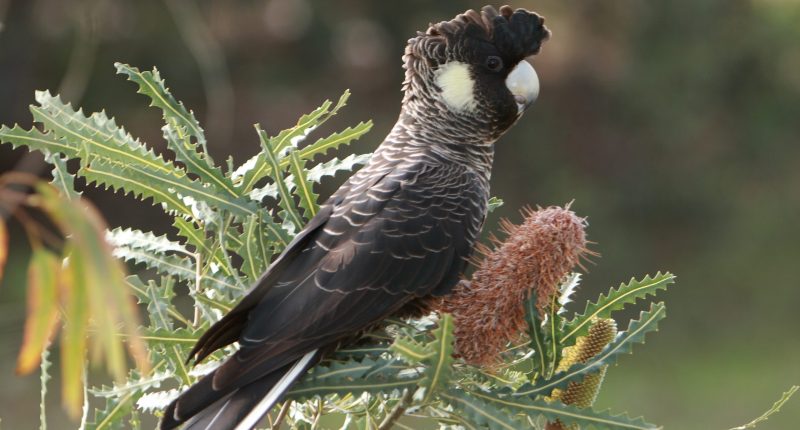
335	140
494	203
151	85
305	188
258	167
182	267
175	193
286	200
111	416
42	319
436	355
479	411
94	137
534	259
181	126
439	364
196	238
196	162
62	179
314	175
615	300
253	255
554	411
622	344
384	375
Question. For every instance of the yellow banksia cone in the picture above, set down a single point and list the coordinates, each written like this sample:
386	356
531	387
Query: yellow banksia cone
535	258
583	394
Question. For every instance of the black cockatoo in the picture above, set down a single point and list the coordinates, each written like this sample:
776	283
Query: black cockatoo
397	232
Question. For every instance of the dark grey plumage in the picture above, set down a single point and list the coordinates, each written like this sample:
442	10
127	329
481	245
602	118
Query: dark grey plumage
398	231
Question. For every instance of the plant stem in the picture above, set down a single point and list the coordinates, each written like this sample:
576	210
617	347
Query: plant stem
198	276
317	414
85	381
44	377
282	415
398	411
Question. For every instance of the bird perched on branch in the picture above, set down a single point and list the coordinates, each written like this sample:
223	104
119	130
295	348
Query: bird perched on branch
397	232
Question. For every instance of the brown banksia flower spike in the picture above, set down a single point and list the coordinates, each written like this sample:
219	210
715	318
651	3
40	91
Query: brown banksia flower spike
534	259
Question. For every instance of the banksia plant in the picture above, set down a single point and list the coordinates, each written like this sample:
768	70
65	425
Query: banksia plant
536	257
501	353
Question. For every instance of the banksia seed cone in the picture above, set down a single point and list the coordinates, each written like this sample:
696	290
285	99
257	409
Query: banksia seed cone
535	257
583	394
601	333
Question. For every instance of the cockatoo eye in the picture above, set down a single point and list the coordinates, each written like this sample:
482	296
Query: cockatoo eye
494	63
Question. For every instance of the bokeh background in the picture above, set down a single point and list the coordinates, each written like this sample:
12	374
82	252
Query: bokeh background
674	126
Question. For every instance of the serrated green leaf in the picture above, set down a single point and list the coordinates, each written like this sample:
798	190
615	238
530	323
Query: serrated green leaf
117	177
62	179
411	350
182	336
335	140
158	400
286	200
541	361
256	168
175	345
151	85
111	416
479	411
36	140
585	418
160	301
182	267
314	175
155	297
135	383
305	188
196	162
494	203
615	300
175	193
94	137
253	260
355	377
355	386
622	344
440	364
181	126
196	237
146	241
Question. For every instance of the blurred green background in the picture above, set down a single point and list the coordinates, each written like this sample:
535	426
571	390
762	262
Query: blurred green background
675	127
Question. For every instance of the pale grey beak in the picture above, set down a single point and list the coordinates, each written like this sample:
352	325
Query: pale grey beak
523	84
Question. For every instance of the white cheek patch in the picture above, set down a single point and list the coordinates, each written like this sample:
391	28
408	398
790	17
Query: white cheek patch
458	89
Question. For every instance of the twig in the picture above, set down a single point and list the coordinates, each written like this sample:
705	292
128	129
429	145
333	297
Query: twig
282	415
398	411
198	276
318	414
775	408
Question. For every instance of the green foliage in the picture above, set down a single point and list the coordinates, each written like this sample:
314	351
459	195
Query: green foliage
403	365
74	286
